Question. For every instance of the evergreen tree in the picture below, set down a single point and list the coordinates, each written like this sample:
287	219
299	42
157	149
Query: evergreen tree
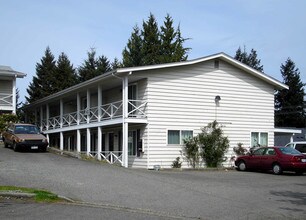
88	68
249	59
289	111
41	85
93	66
115	64
151	46
102	65
64	74
180	51
168	37
132	55
172	49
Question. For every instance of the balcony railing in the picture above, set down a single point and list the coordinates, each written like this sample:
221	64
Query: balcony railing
6	99
136	109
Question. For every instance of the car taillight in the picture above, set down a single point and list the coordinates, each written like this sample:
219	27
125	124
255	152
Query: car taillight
296	159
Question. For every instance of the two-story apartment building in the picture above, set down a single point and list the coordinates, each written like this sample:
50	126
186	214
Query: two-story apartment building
139	116
8	78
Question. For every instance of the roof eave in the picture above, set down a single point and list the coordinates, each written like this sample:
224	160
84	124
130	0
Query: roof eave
223	56
70	89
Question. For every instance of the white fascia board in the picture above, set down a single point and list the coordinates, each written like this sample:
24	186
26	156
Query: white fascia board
287	130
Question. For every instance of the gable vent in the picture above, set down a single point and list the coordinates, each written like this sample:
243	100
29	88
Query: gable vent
216	64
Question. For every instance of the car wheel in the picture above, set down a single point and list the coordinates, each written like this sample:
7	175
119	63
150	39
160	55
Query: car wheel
15	147
6	145
242	166
277	169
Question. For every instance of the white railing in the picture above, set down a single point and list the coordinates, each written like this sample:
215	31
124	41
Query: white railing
112	156
136	109
111	110
54	122
70	119
6	99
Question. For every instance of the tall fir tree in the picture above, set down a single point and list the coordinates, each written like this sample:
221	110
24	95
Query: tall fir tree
93	66
102	65
249	59
132	53
289	111
88	68
151	47
42	84
181	52
168	41
65	73
172	49
115	64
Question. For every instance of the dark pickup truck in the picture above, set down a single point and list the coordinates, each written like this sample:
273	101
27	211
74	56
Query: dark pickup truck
23	137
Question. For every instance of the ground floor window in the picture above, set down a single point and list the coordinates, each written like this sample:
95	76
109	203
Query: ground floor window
259	139
178	136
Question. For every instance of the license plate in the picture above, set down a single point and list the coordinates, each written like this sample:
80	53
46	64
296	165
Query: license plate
304	160
34	147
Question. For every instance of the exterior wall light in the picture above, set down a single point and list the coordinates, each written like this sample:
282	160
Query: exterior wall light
217	99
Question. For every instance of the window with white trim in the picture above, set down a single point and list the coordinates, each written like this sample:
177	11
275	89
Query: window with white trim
178	136
259	139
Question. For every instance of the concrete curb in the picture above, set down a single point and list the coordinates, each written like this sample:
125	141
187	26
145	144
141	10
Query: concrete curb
15	194
61	152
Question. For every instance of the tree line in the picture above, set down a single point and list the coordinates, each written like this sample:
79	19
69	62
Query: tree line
151	44
148	45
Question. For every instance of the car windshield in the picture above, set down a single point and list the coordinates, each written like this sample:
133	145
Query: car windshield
26	129
289	150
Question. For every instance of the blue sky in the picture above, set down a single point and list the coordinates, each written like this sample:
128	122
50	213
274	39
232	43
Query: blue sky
276	29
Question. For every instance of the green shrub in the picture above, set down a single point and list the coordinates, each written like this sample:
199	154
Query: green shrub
177	163
239	150
5	119
213	144
191	152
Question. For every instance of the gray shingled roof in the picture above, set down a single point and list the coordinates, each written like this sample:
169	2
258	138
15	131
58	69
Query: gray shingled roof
8	71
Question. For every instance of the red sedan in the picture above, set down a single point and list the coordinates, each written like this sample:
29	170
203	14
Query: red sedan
277	159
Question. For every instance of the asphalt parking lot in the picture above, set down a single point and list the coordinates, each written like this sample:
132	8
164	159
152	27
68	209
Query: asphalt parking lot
173	194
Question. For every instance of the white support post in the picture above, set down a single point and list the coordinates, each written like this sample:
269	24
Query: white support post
88	141
47	116
88	106
125	125
41	117
14	96
35	116
99	102
61	112
78	141
99	142
78	107
61	141
48	139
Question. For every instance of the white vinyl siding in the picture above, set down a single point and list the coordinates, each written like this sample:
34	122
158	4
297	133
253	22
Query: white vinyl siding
185	97
6	86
